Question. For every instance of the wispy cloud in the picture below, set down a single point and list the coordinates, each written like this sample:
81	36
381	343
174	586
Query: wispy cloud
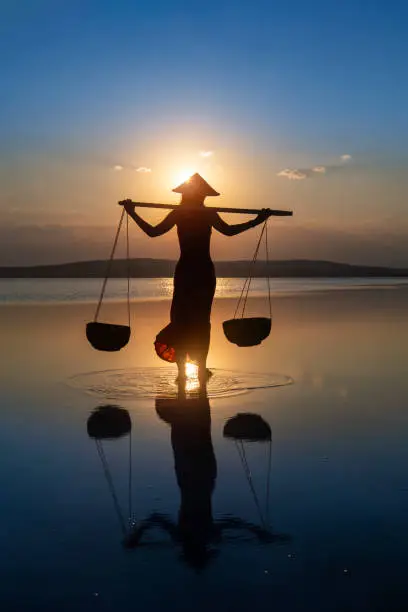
120	167
293	174
315	171
206	153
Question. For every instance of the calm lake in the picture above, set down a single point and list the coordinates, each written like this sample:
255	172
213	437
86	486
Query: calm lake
88	289
119	494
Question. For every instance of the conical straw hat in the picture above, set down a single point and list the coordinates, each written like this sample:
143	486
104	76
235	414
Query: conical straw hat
196	185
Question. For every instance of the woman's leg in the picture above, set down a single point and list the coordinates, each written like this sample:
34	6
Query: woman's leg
203	373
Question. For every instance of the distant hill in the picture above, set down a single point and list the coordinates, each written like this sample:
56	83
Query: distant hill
155	268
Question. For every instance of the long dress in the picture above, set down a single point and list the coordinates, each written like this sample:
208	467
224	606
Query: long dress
188	333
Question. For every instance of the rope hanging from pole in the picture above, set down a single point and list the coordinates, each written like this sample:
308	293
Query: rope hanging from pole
109	266
108	336
128	268
242	301
250	331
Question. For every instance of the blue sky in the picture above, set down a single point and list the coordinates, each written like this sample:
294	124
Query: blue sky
264	86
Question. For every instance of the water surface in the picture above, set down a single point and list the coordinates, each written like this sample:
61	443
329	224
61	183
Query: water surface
88	289
338	490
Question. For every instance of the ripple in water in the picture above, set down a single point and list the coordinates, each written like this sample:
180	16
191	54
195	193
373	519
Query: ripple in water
147	383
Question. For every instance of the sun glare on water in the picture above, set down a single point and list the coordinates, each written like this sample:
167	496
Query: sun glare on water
192	382
191	370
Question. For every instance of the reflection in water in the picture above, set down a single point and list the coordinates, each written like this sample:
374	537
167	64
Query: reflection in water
196	532
196	472
244	428
111	423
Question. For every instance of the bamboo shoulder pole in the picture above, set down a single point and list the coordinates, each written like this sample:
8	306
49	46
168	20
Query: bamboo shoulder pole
243	211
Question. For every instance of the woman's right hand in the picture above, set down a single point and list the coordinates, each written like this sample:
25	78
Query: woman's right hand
264	214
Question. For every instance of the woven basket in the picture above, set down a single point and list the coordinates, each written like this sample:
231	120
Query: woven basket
248	331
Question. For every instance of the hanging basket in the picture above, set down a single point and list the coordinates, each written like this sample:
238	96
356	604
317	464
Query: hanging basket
107	336
248	331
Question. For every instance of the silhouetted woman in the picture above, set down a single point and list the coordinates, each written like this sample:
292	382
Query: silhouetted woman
187	337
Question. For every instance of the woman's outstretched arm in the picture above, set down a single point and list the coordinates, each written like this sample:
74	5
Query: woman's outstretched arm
232	230
151	230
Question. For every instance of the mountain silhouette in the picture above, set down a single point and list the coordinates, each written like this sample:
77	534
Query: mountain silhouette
156	268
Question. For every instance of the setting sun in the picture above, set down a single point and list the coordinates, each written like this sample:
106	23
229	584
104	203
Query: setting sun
182	176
